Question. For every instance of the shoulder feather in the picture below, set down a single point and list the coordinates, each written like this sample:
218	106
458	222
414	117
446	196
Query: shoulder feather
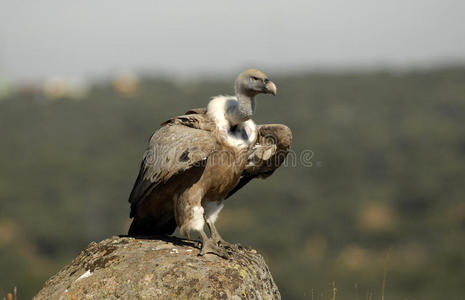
193	120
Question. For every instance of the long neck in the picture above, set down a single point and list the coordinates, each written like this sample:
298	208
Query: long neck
246	107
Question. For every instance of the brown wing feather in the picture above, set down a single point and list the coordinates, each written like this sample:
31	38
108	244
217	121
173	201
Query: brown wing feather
190	131
173	149
192	119
201	111
270	151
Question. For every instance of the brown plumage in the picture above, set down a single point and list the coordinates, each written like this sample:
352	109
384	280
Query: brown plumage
268	154
195	161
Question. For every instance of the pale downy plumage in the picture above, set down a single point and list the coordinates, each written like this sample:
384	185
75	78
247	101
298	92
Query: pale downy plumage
195	161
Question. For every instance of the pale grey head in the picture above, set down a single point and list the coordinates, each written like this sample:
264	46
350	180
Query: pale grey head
249	84
253	82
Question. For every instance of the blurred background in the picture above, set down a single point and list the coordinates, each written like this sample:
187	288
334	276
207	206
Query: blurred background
375	89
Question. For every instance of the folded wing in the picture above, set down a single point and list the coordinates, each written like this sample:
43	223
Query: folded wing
268	154
173	149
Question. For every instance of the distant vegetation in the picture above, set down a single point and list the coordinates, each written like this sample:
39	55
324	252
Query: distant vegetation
387	175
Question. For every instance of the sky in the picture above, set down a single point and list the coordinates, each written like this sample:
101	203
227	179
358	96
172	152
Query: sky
92	39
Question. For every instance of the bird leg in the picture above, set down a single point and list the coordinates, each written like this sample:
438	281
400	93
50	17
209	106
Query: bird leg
216	237
211	246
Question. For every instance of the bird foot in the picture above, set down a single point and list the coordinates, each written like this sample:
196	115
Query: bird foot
210	246
224	244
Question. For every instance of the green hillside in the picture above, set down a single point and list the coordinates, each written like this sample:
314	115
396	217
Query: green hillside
386	174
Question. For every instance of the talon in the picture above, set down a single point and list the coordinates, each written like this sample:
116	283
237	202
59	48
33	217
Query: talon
210	246
198	244
223	243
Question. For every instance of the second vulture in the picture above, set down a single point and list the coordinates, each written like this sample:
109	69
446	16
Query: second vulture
197	160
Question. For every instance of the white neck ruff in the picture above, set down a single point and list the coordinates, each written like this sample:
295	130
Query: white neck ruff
224	111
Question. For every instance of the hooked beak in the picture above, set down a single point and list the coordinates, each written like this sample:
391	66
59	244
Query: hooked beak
270	88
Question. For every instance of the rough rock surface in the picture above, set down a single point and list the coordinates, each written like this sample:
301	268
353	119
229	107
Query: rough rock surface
168	268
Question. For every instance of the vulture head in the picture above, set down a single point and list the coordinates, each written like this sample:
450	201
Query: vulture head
235	110
253	82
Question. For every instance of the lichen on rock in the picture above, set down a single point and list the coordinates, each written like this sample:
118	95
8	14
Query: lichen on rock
164	268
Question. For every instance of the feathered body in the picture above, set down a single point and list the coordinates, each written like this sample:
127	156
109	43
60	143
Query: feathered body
199	148
196	160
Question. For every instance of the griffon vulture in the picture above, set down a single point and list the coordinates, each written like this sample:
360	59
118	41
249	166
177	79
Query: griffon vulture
195	161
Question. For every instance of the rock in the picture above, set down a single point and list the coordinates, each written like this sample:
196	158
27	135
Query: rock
167	268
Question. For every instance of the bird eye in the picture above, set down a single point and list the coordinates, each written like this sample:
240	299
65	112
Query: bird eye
254	78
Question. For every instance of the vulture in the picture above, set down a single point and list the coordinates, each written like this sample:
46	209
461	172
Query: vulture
195	161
